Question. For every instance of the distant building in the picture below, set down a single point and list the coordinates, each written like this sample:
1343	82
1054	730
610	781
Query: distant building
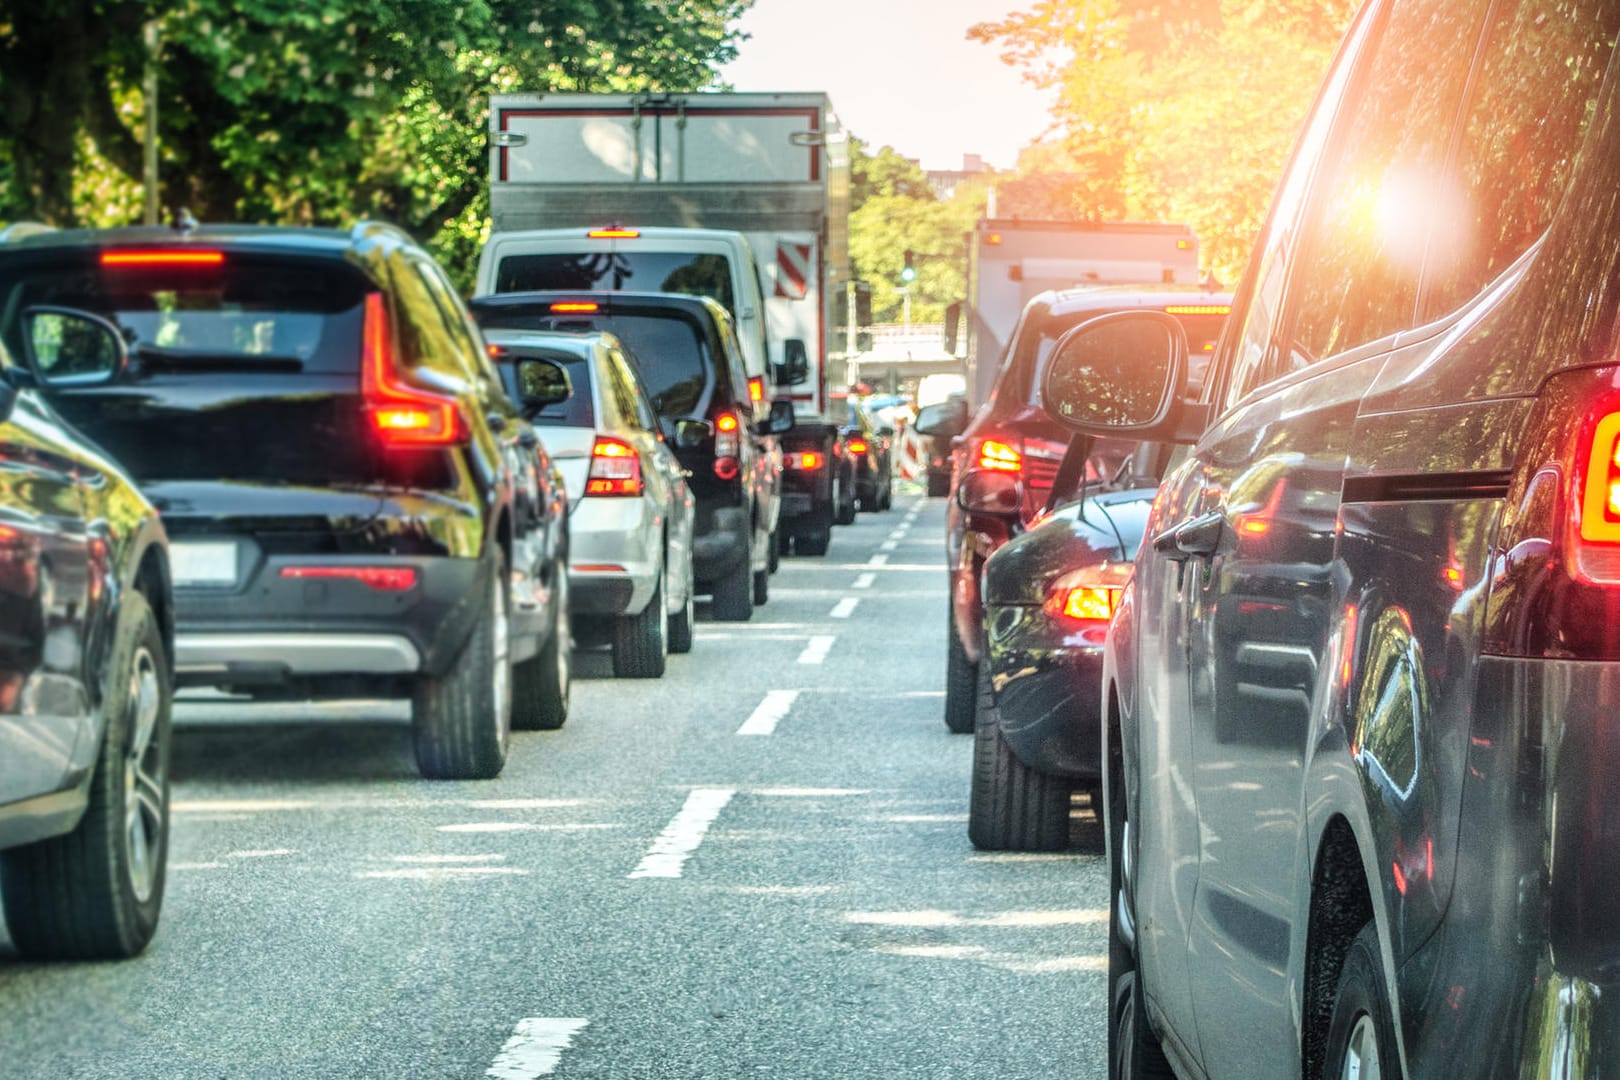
946	181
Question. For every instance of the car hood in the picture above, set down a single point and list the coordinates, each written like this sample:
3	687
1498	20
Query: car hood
1106	527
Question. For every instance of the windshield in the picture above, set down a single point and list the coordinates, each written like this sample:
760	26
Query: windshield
620	271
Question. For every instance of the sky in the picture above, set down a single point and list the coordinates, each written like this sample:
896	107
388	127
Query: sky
900	72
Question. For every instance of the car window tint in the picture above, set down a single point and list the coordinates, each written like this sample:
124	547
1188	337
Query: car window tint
460	327
1363	254
1529	107
638	271
422	325
644	415
576	411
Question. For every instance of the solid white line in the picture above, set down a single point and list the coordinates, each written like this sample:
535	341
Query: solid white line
683	834
865	581
769	713
844	608
818	648
877	560
535	1048
888	545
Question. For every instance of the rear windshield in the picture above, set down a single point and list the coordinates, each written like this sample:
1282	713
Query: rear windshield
1203	331
669	351
576	411
619	271
250	312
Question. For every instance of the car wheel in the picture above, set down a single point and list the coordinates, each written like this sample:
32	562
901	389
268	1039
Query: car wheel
641	642
733	594
778	546
886	494
680	623
1011	807
542	683
762	587
1134	1054
961	681
814	542
1361	1035
96	892
844	510
462	720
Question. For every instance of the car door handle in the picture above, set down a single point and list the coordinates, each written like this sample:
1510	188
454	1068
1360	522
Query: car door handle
1196	537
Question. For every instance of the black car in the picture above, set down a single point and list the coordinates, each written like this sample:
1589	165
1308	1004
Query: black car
1048	596
688	356
86	636
870	454
1361	695
356	506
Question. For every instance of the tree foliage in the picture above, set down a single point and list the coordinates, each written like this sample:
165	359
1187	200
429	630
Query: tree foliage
314	111
1178	110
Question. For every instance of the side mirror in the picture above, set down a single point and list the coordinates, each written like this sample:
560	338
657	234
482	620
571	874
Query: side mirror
794	370
68	347
953	317
690	434
1119	374
945	420
780	420
542	383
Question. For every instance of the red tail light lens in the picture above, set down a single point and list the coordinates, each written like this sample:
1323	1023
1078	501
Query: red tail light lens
135	260
1090	594
807	460
1596	554
727	446
997	456
857	446
401	415
575	307
615	468
381	578
613	234
756	388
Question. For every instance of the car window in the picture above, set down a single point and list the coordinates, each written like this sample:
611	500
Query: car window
639	271
622	385
644	414
459	326
1528	111
1363	253
422	324
734	363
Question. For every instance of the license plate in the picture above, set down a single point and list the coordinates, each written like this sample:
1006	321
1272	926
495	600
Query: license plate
202	564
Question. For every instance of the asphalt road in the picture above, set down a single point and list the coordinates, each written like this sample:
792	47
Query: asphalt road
649	892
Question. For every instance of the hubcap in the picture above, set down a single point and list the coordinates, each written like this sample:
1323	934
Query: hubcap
144	796
564	632
1361	1053
503	663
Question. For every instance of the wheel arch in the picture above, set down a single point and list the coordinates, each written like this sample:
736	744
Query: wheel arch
1341	903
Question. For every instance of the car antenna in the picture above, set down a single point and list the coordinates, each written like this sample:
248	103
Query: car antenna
1071	469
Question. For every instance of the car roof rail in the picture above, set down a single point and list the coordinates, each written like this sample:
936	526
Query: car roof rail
21	230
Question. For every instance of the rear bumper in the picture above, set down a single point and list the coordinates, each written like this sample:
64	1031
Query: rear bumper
615	552
719	542
273	628
1048	687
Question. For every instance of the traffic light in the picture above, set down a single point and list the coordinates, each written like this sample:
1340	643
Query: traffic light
908	273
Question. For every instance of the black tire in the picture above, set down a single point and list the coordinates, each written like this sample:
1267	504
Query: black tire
1011	807
784	546
1362	1021
541	684
778	545
961	682
814	542
95	893
1133	1052
733	595
641	642
762	587
462	720
886	494
844	510
680	623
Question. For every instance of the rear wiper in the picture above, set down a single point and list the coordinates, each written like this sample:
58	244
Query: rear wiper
156	358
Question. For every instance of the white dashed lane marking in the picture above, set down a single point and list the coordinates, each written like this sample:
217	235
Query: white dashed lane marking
681	837
865	581
877	560
769	713
888	545
844	608
817	649
535	1048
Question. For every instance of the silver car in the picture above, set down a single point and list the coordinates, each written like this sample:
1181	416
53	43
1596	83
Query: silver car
630	526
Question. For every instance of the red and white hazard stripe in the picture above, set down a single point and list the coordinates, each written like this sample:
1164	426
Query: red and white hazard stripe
792	271
911	456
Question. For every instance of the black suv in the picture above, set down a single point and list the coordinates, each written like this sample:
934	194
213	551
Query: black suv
355	505
691	362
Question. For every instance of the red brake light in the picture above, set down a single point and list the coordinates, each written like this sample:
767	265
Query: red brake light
725	422
575	307
756	388
115	259
999	457
1090	594
857	446
613	234
1596	555
1198	309
727	446
615	468
401	415
809	459
381	578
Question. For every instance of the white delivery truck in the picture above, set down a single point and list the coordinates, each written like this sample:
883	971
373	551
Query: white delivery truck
1012	260
745	195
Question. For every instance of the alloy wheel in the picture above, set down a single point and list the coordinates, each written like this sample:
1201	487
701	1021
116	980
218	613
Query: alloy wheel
144	779
1361	1061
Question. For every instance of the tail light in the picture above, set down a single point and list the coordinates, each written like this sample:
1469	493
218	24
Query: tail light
615	468
402	415
727	446
857	446
997	456
1089	596
807	461
575	307
756	389
1555	584
380	578
613	234
140	259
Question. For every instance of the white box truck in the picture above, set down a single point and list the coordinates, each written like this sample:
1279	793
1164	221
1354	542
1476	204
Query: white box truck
771	167
1010	261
